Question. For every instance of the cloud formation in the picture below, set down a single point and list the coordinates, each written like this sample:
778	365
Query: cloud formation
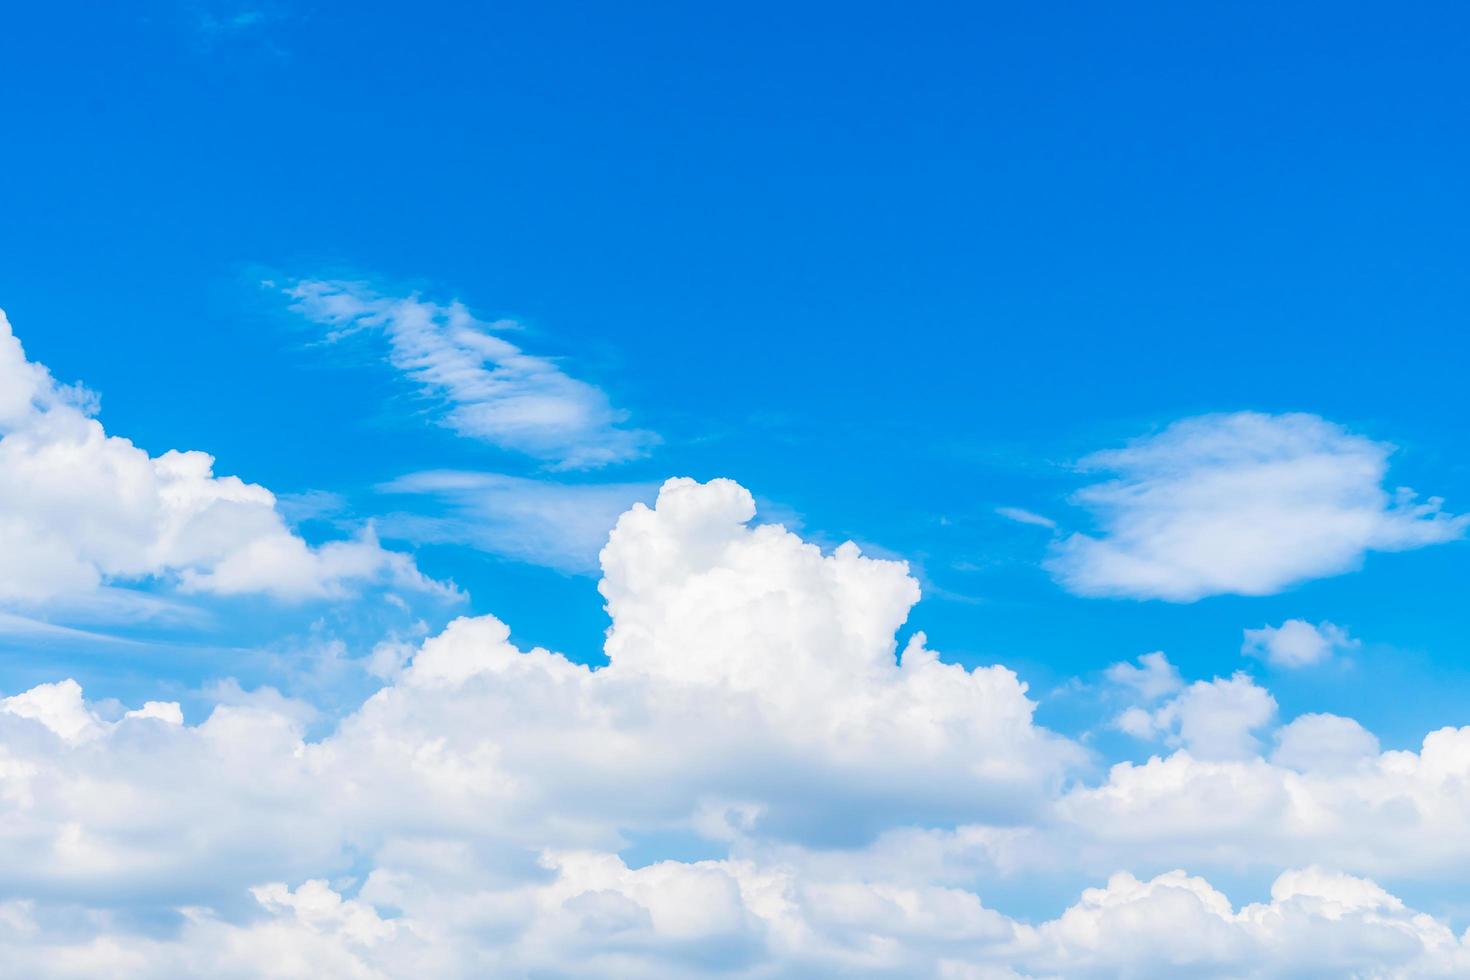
1212	719
558	525
490	389
1296	643
1244	504
470	818
80	508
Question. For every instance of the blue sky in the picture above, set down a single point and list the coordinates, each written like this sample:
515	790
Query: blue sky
900	273
888	274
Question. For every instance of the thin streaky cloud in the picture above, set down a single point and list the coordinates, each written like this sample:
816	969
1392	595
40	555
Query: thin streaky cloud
1021	516
490	389
14	624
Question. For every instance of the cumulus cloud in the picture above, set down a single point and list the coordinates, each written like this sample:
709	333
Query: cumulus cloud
80	508
741	660
1325	795
466	819
1152	678
1317	923
1296	643
1213	719
1245	504
754	686
1324	743
594	917
491	389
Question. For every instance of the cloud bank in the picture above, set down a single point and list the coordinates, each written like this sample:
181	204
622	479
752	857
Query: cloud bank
857	796
852	799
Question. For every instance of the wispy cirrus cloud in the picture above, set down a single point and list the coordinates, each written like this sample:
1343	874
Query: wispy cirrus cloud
1022	516
490	389
543	522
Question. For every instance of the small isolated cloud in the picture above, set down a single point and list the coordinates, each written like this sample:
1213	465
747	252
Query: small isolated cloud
1296	643
490	389
80	509
1244	504
558	525
1025	517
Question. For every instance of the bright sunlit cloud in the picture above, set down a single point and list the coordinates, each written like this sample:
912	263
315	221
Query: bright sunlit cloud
1247	504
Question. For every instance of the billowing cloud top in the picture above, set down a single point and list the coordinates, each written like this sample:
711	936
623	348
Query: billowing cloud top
80	508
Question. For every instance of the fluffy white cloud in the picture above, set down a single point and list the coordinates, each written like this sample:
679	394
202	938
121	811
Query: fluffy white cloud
1324	743
80	508
1326	796
1246	504
1296	643
1151	679
751	679
1316	924
465	820
1212	719
492	389
754	688
594	917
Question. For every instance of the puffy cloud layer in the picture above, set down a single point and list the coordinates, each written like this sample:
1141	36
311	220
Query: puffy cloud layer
1246	504
491	389
754	688
594	917
80	508
1326	794
467	819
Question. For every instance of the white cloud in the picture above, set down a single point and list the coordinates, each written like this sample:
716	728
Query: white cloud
464	821
492	390
1316	924
1296	643
591	916
1153	678
1324	743
1326	796
80	508
1021	516
754	683
1212	719
1247	504
559	525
